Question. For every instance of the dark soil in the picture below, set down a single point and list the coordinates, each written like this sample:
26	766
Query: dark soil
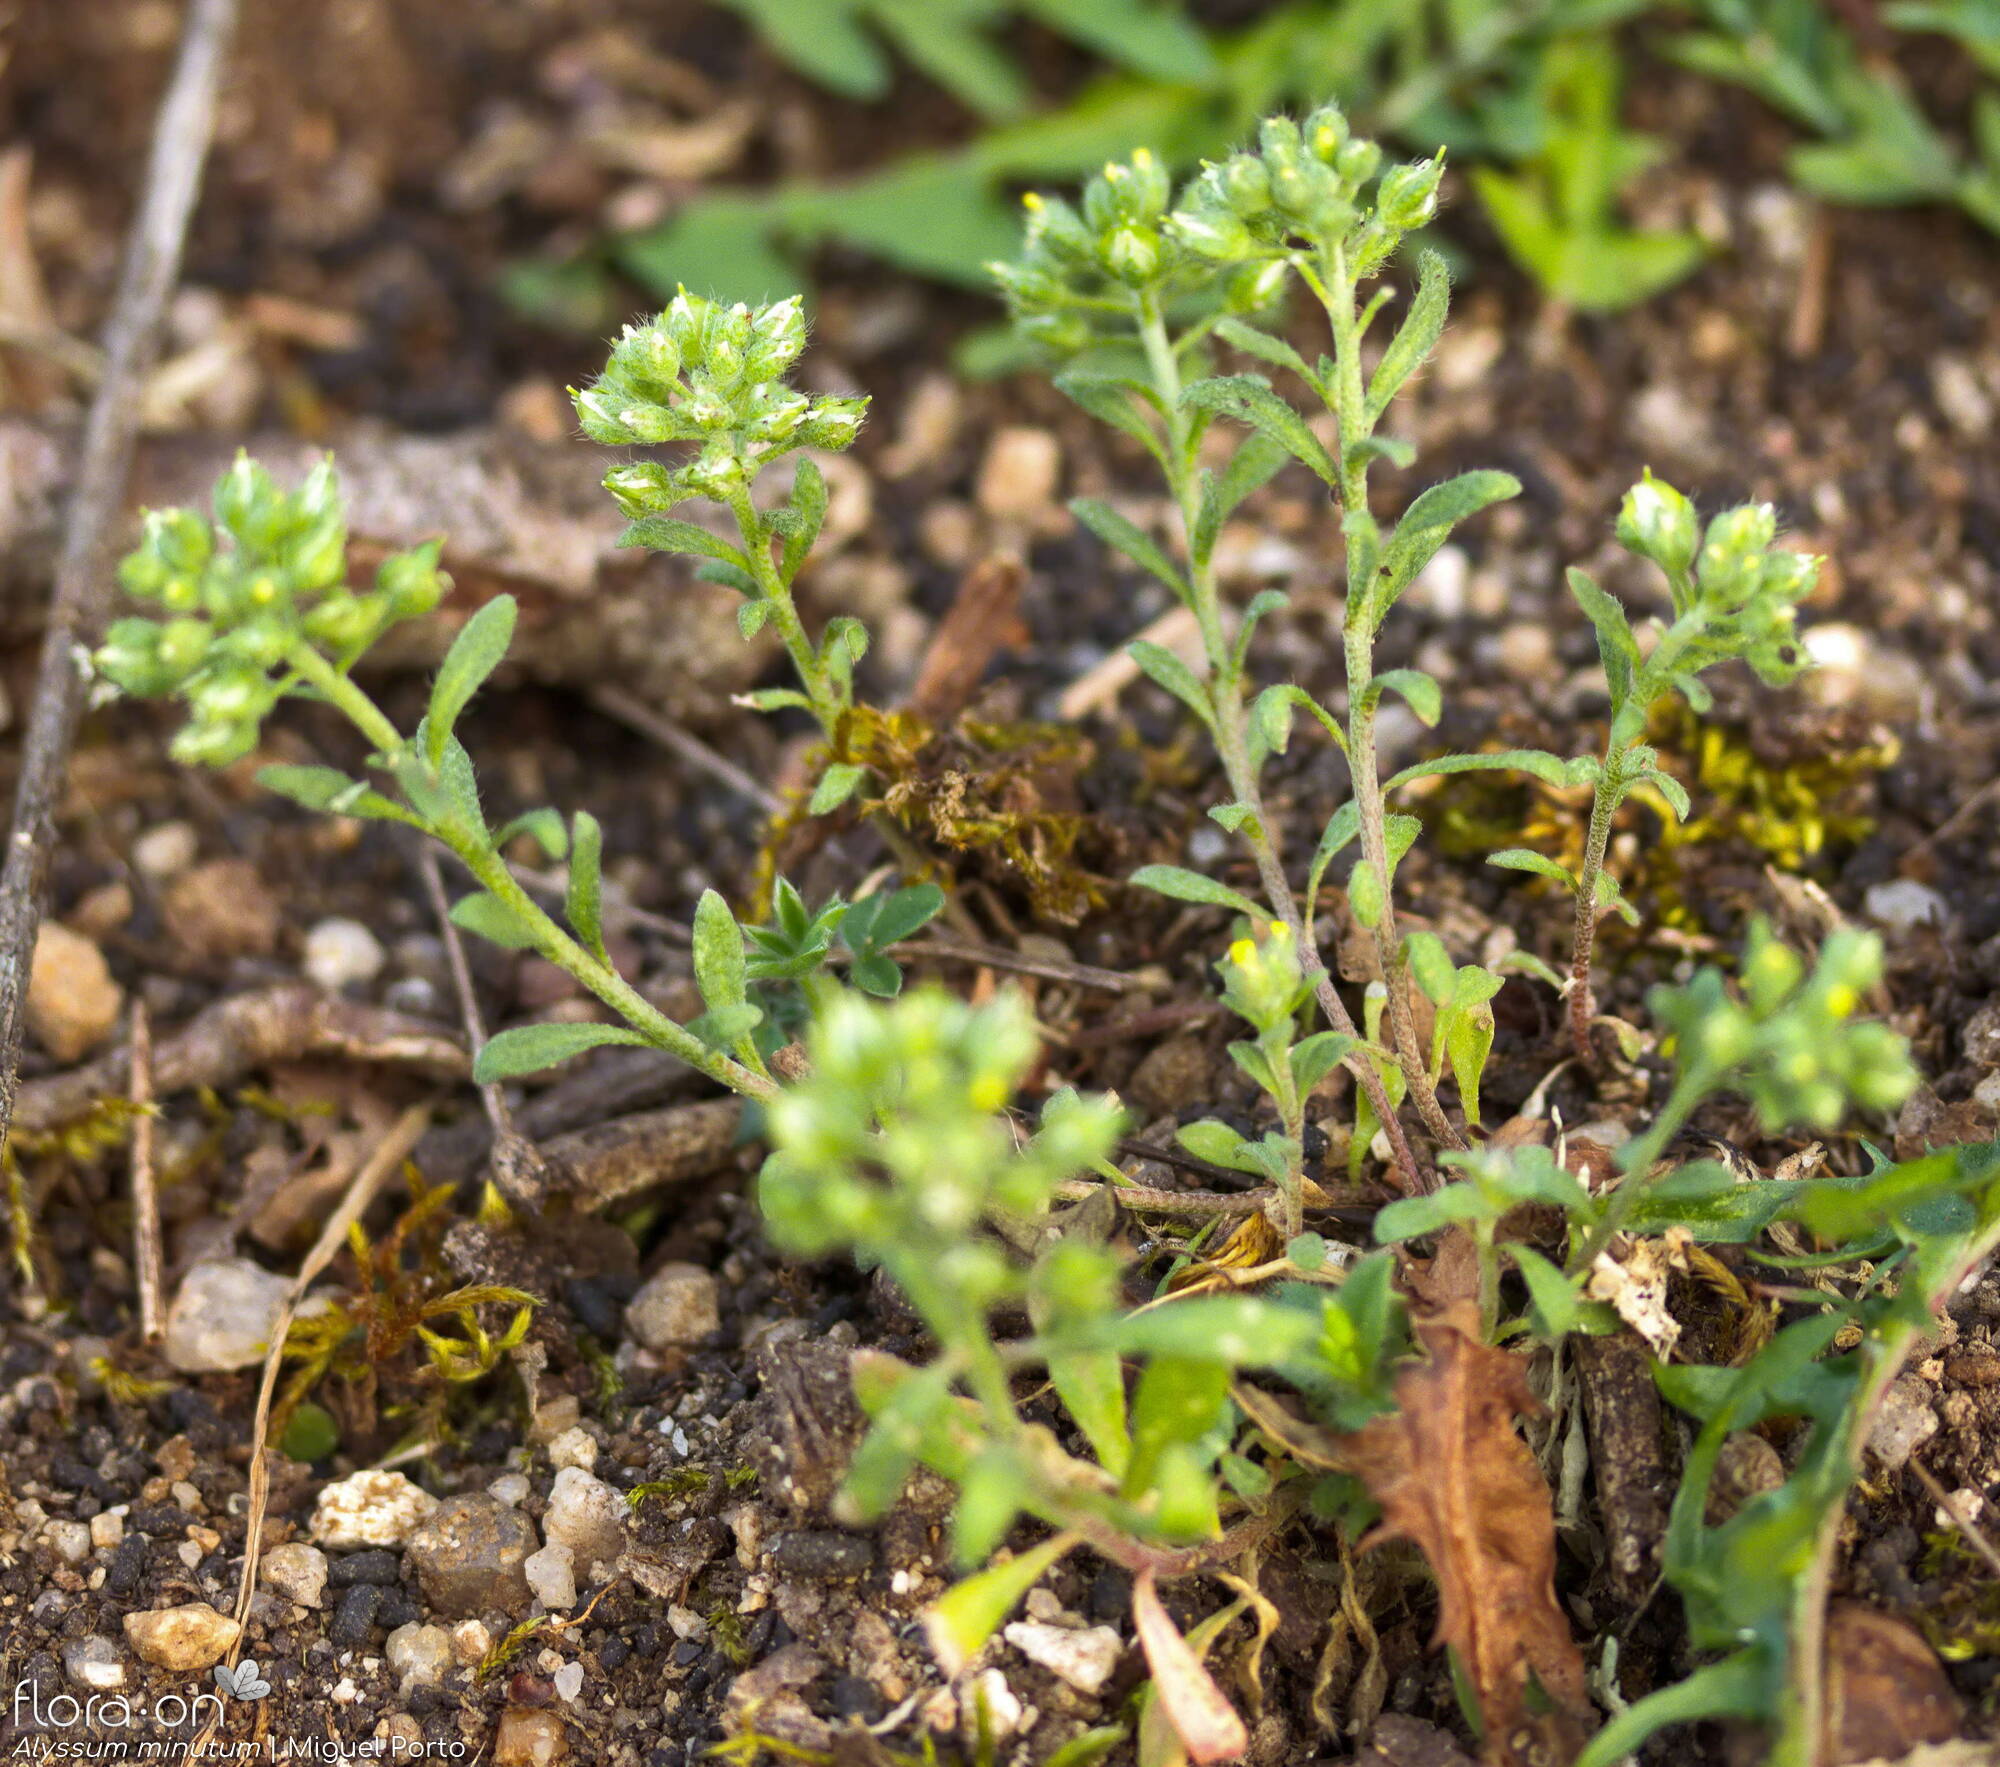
1844	365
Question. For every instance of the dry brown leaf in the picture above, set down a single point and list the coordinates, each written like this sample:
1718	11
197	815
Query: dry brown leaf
1452	1476
1202	1718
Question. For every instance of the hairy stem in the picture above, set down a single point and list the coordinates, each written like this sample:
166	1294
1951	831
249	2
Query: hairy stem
812	674
1351	416
1226	695
1582	1003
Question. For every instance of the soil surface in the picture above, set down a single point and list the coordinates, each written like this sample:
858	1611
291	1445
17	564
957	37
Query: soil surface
379	166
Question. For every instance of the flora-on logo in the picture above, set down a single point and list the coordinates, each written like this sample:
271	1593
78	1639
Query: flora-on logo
242	1682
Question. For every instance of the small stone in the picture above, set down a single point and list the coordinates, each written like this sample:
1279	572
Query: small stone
1170	1074
469	1556
107	1528
418	1656
185	1639
470	1641
991	1707
94	1663
1083	1659
510	1488
376	1565
353	1622
1018	477
1902	904
1905	1423
370	1508
342	954
70	1541
574	1447
530	1736
222	1316
677	1305
552	1417
551	1574
1853	669
221	910
1527	652
296	1571
166	850
73	1004
822	1555
1981	1036
588	1517
568	1682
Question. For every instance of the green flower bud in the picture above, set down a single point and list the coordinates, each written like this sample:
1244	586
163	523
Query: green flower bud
343	621
1308	192
261	593
833	423
1213	233
1245	184
1257	286
244	497
1150	188
212	742
1132	254
129	658
180	594
257	644
318	498
143	574
777	335
183	540
1326	133
603	416
234	698
1356	163
779	418
318	558
1278	141
647	359
1057	229
410	583
1657	522
639	488
183	644
1408	196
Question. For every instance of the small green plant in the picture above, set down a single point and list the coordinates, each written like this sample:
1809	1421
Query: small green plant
1556	209
1733	594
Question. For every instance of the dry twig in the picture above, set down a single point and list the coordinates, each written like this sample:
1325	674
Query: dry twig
83	571
145	1194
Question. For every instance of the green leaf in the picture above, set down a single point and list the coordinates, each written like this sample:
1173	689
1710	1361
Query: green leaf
1178	1401
725	1027
1091	1385
1308	1251
1109	399
1617	649
895	917
1427	524
1365	894
807	512
494	921
1214	1142
1233	1331
1162	667
1266	348
669	533
775	699
1248	399
475	653
544	824
1410	1217
730	577
1538	762
1318	1055
1341	828
719	964
836	785
1557	1304
751	618
583	902
877	975
1468	1041
1410	348
1526	859
328	789
1420	691
1431	964
1190	886
969	1613
1672	790
1118	533
530	1048
1256	460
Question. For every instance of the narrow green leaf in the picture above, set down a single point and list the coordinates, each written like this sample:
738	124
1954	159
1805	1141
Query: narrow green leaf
491	919
1557	1304
1318	1055
530	1048
1178	1401
751	618
544	824
1249	399
1410	348
1109	399
1120	534
1672	790
1256	460
1468	1041
1235	817
669	533
719	963
836	785
969	1613
1431	965
1164	669
475	653
583	903
898	915
1539	762
329	790
1214	1142
807	511
1617	649
725	1027
1526	859
1091	1385
1419	690
1265	348
731	576
1190	886
1365	894
1428	523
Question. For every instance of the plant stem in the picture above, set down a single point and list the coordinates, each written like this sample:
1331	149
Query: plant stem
1351	416
826	704
475	852
1582	1004
1636	1160
1226	696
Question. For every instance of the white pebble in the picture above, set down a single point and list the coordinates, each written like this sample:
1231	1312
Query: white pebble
342	954
510	1489
574	1447
569	1682
1903	904
551	1574
166	850
370	1508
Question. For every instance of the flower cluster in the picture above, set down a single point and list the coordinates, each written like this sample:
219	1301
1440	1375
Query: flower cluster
1741	589
714	374
1081	263
1262	981
1303	187
239	593
1789	1041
